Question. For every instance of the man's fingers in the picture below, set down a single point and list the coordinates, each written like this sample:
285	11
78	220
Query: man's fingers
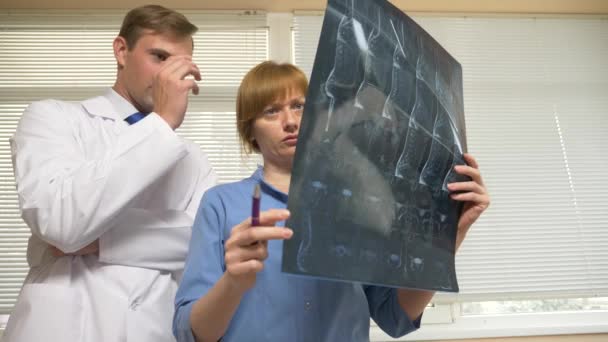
178	68
57	252
91	248
186	69
170	66
191	84
181	72
197	74
174	62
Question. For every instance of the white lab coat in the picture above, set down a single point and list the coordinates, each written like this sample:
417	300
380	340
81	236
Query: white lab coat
84	174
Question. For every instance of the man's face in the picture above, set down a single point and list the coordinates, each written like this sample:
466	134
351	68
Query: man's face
141	63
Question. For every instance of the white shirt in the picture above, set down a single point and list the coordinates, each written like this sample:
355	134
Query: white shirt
84	174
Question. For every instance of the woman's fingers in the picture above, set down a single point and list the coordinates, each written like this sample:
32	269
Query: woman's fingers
267	218
471	197
469	171
249	236
471	161
469	191
466	187
247	247
272	216
257	251
249	266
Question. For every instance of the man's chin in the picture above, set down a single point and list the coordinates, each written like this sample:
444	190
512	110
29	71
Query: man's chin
147	107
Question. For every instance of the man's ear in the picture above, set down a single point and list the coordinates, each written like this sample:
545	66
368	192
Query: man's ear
120	51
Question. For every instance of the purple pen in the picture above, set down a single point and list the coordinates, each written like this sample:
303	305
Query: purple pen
255	206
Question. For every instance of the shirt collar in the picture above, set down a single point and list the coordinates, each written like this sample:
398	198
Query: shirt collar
258	176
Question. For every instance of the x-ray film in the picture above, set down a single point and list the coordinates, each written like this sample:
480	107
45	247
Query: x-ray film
382	130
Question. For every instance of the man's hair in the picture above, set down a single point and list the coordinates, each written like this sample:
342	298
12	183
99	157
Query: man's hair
265	83
157	19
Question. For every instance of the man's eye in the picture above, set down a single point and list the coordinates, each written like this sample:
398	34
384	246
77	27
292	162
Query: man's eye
160	57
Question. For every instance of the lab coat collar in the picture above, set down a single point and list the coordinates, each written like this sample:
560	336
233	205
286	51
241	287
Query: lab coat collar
110	105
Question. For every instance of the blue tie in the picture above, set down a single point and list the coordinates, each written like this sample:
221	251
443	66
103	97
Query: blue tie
133	118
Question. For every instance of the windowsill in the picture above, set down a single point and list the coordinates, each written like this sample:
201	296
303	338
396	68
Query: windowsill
3	321
513	325
516	325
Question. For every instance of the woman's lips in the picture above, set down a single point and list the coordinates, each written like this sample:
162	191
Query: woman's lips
291	140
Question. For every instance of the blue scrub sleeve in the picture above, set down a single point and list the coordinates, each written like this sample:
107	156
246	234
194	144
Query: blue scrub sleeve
385	310
204	263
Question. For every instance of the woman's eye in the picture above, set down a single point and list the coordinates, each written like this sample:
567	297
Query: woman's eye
270	111
298	106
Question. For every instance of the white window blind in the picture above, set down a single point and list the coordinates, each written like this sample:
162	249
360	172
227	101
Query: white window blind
68	56
536	104
306	32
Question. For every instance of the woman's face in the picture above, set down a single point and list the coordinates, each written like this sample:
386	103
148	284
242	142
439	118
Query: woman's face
276	129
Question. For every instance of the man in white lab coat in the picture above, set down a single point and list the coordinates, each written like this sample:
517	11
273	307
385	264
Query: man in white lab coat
110	192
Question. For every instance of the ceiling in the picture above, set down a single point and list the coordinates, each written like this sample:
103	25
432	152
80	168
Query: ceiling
441	6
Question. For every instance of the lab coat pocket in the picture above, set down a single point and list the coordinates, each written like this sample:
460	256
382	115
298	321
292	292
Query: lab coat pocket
45	313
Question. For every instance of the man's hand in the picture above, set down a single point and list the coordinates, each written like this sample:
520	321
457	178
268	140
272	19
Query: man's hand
92	248
171	88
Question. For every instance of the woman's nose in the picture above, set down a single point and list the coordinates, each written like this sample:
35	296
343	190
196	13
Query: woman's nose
291	119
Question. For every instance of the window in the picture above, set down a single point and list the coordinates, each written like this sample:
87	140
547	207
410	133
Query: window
68	55
536	107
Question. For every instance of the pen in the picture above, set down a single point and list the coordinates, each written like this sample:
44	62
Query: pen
255	206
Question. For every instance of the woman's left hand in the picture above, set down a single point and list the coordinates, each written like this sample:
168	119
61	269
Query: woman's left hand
473	193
